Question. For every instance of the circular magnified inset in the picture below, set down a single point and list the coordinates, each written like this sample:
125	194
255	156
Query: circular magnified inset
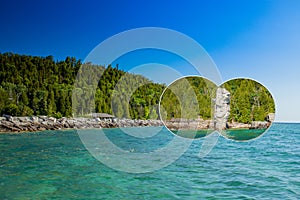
245	109
186	107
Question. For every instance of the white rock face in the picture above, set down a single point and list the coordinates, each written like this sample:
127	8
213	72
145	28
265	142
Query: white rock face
270	117
222	108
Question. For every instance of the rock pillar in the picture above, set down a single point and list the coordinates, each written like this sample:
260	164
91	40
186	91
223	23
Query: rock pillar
221	108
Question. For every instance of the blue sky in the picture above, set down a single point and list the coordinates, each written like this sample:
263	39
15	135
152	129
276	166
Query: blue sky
255	39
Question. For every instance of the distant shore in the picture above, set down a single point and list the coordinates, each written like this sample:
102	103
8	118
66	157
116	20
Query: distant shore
42	123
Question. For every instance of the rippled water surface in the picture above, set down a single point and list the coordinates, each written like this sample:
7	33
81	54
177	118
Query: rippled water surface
55	165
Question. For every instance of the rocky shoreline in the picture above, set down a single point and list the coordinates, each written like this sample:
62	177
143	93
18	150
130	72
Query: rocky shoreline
209	124
42	123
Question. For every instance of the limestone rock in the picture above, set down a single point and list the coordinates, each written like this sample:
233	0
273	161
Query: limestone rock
259	125
8	117
270	117
238	125
35	119
33	123
221	108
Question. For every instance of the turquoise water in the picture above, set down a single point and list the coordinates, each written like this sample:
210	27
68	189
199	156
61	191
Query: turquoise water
55	165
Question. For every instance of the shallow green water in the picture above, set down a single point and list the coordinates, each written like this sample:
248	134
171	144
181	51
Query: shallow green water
192	134
55	165
243	134
234	134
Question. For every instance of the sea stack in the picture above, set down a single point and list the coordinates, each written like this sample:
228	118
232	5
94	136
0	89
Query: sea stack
221	109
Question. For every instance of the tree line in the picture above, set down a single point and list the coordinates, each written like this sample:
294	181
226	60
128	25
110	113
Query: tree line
189	98
249	100
34	85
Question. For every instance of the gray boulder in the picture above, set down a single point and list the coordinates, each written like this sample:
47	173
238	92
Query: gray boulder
8	117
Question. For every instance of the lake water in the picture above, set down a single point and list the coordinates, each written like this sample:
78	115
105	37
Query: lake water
56	165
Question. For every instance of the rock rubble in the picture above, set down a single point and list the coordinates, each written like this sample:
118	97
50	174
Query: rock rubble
41	123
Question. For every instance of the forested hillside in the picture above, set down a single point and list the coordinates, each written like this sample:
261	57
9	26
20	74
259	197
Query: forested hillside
250	101
181	96
32	85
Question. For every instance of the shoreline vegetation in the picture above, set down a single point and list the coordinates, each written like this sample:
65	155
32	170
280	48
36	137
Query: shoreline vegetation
40	86
238	104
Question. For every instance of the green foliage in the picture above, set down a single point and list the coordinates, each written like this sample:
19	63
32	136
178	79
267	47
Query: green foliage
189	97
36	85
153	113
250	101
12	109
144	101
57	115
31	85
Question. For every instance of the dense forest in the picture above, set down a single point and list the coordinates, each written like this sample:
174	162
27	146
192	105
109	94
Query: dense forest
190	98
32	85
249	101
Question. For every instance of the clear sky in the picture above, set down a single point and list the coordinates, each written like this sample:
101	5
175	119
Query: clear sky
255	39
